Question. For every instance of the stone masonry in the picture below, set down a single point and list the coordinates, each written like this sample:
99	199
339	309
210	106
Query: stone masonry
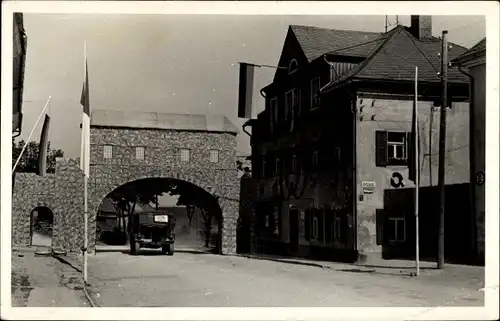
62	193
211	141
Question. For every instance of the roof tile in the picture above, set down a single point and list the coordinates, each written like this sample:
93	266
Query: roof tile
316	42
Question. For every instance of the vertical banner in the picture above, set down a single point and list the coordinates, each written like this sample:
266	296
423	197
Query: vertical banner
245	90
43	147
85	148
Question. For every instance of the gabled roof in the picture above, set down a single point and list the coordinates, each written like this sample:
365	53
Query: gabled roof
477	50
397	55
316	42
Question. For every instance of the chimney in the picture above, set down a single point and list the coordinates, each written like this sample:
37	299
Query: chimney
421	26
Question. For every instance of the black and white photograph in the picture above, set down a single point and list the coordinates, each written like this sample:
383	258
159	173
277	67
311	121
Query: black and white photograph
165	155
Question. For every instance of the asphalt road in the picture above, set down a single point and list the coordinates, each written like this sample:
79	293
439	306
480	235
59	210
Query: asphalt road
205	280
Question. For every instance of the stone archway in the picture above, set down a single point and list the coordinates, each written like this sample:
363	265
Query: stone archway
102	184
41	226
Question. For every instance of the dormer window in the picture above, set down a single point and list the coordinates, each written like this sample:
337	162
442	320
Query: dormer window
293	66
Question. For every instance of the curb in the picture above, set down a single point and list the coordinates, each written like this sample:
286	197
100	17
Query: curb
69	263
313	264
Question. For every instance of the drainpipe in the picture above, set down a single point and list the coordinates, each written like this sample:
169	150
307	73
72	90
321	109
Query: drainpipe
354	175
472	160
332	70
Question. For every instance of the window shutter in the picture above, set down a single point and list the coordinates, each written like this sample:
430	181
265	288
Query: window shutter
380	222
381	146
307	224
321	224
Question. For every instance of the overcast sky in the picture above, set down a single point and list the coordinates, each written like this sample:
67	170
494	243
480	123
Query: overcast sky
167	63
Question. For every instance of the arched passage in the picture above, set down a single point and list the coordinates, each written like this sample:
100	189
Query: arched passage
198	213
41	226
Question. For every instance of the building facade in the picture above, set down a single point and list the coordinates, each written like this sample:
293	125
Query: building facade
333	140
19	61
473	64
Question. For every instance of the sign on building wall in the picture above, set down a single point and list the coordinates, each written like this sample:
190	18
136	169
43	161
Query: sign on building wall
368	187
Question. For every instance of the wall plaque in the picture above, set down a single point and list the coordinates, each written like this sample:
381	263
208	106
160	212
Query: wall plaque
368	187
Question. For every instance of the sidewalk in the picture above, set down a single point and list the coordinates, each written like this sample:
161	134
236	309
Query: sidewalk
43	281
400	268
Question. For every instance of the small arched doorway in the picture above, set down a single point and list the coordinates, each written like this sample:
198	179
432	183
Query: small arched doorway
41	226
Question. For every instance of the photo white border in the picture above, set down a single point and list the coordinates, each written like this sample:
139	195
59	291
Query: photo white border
490	9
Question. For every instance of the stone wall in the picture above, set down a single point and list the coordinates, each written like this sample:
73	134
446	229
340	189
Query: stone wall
162	159
62	193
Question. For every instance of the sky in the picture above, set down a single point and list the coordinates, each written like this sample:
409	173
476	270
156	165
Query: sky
168	63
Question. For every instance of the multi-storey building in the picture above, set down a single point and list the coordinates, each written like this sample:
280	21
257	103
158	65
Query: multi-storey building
331	147
473	64
20	42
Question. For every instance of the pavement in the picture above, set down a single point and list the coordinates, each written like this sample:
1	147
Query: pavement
44	281
199	279
193	277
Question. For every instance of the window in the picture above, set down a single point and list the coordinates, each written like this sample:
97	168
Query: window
296	102
288	104
397	229
315	87
293	66
139	153
391	148
315	229
338	156
263	169
314	161
108	151
185	155
276	215
337	229
273	111
294	163
214	156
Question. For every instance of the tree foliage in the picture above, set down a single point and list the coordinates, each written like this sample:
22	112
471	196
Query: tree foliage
29	161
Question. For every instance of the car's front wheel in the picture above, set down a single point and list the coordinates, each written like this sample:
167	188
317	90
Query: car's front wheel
134	246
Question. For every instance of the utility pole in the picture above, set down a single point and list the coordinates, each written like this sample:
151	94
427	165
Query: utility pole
386	24
442	147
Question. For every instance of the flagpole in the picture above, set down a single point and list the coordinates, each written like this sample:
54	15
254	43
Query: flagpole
29	137
417	176
85	179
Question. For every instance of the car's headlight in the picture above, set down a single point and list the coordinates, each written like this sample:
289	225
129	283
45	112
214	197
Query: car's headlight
160	218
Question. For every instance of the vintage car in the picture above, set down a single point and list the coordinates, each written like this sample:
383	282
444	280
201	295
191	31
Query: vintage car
152	230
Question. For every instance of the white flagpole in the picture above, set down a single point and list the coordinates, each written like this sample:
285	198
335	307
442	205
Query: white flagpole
417	178
84	161
29	137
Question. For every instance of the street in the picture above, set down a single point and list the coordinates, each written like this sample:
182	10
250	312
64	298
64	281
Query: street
194	278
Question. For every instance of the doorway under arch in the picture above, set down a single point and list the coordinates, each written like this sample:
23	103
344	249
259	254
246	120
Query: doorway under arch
41	226
197	213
